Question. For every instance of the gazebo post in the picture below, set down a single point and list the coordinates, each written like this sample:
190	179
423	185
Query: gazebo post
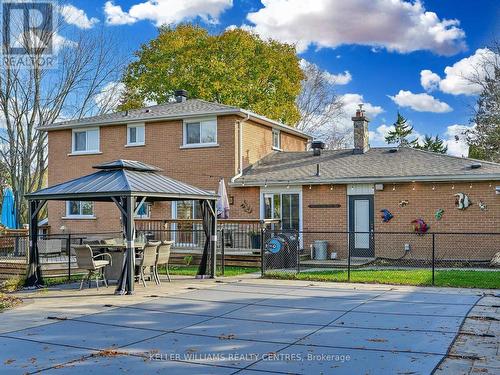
34	274
213	238
130	233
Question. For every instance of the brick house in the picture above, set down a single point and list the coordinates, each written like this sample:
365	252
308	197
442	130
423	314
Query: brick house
271	174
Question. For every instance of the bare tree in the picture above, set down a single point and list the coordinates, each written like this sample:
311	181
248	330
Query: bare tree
321	108
32	95
484	137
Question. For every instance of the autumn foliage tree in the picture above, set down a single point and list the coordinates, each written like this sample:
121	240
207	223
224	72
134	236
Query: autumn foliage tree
235	67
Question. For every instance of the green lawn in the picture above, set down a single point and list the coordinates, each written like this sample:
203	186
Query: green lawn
453	278
191	270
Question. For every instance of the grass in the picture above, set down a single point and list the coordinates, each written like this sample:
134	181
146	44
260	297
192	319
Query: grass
191	270
450	278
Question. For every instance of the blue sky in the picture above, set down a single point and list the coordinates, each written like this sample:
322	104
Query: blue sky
395	51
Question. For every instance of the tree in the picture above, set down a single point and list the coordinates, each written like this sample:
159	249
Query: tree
235	67
435	144
402	130
484	138
320	108
32	95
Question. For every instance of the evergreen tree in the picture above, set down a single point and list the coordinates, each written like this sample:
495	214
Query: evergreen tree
435	144
402	131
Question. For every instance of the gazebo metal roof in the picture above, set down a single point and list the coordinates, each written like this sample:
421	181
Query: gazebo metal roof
123	178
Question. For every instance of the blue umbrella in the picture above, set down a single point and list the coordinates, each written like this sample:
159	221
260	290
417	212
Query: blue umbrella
8	210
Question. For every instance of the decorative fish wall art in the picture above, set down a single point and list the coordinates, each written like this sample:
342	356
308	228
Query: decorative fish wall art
420	226
482	206
439	214
246	207
462	201
386	215
403	203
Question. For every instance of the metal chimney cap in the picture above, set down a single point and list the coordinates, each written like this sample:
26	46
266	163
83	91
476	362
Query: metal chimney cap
181	95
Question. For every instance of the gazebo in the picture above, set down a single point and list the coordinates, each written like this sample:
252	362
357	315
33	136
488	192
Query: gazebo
128	184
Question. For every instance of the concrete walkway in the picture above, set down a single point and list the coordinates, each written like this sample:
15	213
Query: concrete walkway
249	326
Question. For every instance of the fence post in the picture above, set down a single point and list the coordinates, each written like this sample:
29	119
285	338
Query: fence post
262	232
68	252
349	257
297	248
433	257
222	251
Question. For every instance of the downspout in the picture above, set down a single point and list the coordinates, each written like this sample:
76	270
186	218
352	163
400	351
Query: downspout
240	147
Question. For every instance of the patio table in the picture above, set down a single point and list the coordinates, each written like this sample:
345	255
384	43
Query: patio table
117	252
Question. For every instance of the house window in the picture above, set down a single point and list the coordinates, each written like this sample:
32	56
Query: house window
276	139
200	132
85	140
144	211
79	209
283	206
135	135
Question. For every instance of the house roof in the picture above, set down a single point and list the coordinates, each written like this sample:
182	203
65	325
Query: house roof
376	165
169	111
122	178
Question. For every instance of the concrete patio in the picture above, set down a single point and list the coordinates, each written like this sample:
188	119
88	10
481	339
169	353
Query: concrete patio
241	325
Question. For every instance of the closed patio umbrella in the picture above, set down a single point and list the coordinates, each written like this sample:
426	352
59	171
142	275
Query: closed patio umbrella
8	209
223	201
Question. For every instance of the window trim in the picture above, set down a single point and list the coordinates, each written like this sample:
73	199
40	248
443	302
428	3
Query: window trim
278	132
136	125
79	216
86	151
185	122
148	211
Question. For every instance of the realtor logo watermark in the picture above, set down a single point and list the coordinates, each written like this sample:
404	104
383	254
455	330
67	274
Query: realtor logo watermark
28	30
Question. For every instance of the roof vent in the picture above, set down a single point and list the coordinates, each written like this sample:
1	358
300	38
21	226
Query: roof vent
476	165
180	96
317	146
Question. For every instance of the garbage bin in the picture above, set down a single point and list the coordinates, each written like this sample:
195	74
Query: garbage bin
320	250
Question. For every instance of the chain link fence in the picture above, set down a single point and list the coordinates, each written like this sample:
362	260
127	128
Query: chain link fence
454	259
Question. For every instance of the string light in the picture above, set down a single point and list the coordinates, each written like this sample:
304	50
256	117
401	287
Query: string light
470	187
490	184
413	185
265	184
288	185
310	187
453	187
331	187
393	187
433	187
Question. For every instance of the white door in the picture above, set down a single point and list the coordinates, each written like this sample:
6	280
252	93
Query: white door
361	224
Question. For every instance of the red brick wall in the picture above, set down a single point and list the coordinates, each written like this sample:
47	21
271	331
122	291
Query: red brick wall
200	166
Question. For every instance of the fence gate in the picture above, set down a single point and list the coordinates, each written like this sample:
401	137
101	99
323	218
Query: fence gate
280	251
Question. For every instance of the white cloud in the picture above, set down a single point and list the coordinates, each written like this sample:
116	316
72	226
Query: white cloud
166	11
109	97
339	79
77	17
116	16
395	25
352	101
333	79
420	102
456	140
457	77
429	80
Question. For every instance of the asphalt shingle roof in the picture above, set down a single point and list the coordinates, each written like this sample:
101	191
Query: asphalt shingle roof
377	164
190	107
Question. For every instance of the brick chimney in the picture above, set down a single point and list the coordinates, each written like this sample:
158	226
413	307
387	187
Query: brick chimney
361	141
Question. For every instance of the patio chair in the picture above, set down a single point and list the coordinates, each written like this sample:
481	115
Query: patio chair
86	260
148	261
162	258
